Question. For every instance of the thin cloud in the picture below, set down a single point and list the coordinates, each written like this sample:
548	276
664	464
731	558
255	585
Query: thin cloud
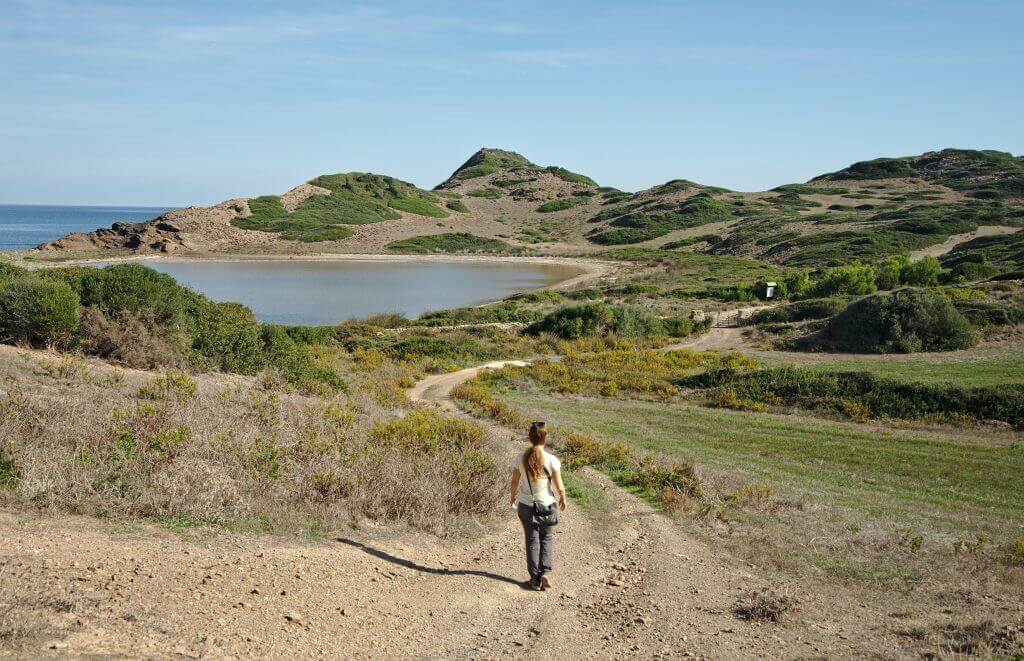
558	59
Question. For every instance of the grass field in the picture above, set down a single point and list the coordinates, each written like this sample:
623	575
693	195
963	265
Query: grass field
915	478
992	368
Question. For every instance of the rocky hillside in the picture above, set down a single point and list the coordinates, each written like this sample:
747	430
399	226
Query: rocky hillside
957	204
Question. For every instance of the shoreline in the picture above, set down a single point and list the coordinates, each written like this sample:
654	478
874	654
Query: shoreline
588	268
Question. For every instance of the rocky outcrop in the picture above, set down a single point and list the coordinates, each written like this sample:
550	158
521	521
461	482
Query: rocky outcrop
192	228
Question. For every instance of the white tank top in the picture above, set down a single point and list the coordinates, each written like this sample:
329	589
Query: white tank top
542	485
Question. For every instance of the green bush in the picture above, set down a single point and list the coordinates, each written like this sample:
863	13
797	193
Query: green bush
889	274
560	204
11	272
571	177
852	280
922	273
627	236
131	287
451	242
981	313
226	336
968	271
796	284
418	206
903	321
600	319
37	312
457	205
814	308
881	396
710	239
125	301
487	161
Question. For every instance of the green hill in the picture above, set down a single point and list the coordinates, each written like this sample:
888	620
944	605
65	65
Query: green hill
356	198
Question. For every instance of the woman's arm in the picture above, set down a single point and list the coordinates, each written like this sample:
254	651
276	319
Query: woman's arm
559	489
514	490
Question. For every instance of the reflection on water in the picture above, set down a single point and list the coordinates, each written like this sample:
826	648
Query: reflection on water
326	292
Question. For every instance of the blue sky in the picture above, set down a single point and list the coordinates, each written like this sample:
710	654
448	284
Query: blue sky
170	103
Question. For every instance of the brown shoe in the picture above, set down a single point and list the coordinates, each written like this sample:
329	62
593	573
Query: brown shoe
544	582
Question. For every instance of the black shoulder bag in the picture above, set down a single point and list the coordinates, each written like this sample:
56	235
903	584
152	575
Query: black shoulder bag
543	515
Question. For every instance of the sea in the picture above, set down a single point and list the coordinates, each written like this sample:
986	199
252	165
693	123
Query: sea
25	226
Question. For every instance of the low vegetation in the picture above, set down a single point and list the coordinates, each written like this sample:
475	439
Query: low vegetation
571	177
355	199
863	396
600	319
634	224
488	161
244	457
561	204
902	321
139	317
449	243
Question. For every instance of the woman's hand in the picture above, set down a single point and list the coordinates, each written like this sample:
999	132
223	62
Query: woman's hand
561	502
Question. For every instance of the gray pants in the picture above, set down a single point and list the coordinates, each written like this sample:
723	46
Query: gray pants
540	543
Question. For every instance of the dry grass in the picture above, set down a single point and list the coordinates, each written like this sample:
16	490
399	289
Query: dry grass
984	639
235	452
763	605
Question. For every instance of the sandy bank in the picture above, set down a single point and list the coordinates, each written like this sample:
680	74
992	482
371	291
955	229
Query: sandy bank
585	269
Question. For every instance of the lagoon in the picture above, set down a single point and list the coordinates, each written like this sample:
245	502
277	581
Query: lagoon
308	292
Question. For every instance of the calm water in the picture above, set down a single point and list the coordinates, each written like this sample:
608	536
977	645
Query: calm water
27	225
321	293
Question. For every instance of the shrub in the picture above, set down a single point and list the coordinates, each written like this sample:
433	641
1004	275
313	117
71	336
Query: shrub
922	273
418	206
600	319
796	283
10	271
627	235
571	177
859	394
905	321
813	308
445	456
457	205
227	337
561	204
295	361
128	287
853	280
38	312
451	242
889	273
135	339
981	313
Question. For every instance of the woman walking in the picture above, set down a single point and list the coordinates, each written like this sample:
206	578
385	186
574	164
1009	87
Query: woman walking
536	472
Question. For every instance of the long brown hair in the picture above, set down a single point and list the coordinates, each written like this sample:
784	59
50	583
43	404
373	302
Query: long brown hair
533	459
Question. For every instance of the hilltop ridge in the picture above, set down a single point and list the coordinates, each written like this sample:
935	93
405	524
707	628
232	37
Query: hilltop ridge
500	201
